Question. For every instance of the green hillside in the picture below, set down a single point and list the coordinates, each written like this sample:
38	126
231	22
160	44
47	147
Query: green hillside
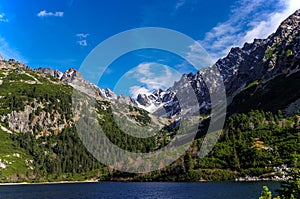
39	141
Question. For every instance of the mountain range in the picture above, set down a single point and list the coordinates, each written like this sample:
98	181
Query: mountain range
36	112
255	63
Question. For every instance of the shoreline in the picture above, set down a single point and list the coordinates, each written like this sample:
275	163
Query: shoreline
45	183
94	181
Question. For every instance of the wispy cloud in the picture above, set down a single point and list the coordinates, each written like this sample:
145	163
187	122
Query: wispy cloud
82	43
179	4
261	29
82	39
248	20
44	13
136	90
151	76
10	53
3	18
82	35
198	56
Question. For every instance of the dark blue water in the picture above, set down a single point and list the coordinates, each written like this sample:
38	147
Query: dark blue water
115	190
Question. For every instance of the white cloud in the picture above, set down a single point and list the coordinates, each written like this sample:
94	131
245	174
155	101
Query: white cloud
44	13
82	43
266	27
10	53
82	39
151	76
82	35
136	90
248	20
143	69
2	18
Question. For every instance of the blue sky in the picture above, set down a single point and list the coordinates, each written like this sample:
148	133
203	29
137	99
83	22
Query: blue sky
61	33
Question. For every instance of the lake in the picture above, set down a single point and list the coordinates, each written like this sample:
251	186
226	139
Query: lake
115	190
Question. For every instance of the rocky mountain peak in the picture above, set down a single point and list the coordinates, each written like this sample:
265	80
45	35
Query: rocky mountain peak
110	94
289	25
127	100
47	71
71	75
57	74
143	99
74	78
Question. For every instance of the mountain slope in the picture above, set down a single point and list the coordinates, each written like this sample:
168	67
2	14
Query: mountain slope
37	124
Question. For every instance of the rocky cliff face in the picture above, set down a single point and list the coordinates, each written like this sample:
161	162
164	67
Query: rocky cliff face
264	58
36	107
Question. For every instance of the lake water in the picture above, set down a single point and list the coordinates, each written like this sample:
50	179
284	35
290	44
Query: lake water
115	190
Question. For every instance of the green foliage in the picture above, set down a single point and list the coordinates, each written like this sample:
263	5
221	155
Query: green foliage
269	53
17	77
251	145
188	162
140	115
291	188
59	157
124	140
289	52
288	190
16	160
266	194
17	94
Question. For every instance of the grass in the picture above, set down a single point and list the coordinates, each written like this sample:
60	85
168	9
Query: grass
255	83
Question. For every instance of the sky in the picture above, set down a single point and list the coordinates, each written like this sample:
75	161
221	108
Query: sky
60	34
